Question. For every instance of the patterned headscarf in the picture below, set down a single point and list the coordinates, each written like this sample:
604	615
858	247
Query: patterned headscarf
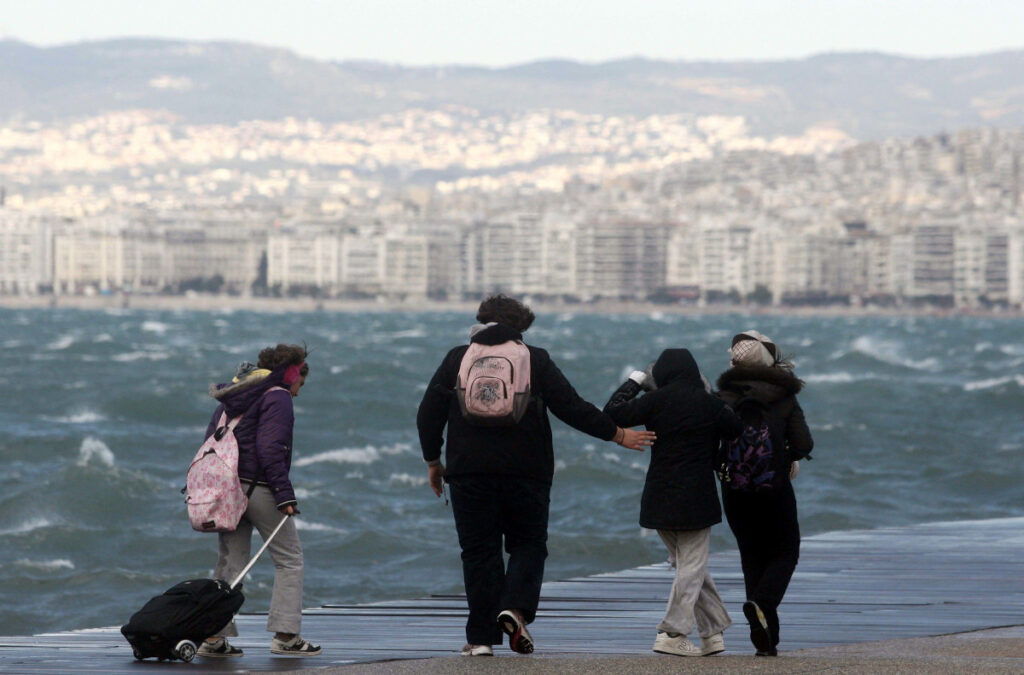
751	348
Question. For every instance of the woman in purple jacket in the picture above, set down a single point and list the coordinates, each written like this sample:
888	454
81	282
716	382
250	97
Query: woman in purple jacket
263	394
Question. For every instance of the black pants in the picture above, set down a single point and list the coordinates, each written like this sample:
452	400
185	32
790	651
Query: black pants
489	509
768	536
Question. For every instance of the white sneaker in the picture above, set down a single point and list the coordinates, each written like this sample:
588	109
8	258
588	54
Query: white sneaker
477	650
677	645
712	644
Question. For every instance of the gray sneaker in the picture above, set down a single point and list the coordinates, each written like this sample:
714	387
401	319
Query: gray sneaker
294	647
218	649
678	645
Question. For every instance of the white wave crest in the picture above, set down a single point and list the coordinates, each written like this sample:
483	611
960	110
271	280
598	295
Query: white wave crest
400	335
47	565
994	382
94	448
612	457
128	357
335	370
82	417
889	352
28	526
157	327
63	342
407	479
365	455
103	337
841	377
310	526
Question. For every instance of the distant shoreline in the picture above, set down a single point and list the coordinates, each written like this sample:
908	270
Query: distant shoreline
225	303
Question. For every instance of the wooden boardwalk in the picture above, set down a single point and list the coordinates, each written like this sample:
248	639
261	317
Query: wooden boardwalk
850	587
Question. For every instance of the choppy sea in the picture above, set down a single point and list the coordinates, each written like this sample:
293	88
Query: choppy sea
915	420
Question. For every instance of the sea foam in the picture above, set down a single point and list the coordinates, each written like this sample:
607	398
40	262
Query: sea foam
28	526
46	565
93	449
994	382
365	455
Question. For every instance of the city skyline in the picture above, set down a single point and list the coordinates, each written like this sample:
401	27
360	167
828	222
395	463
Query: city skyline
493	34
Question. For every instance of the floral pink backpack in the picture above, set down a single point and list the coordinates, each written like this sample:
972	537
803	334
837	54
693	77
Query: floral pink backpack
215	498
494	383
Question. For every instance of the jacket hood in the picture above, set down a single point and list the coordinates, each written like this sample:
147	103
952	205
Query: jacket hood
765	383
496	335
676	365
238	397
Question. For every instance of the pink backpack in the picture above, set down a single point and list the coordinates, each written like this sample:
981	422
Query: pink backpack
494	383
215	498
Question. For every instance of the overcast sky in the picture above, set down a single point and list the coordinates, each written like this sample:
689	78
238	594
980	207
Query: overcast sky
503	32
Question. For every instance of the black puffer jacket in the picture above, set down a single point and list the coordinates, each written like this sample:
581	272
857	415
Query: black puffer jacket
524	449
680	491
776	388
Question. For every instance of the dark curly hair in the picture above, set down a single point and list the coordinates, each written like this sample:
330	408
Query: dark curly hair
506	311
273	358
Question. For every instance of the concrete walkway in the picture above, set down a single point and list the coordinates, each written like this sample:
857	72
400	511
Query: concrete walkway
901	585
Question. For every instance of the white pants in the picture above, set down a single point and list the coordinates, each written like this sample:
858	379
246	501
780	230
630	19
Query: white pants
694	600
285	550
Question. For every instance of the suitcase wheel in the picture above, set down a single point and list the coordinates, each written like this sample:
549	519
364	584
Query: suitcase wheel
185	650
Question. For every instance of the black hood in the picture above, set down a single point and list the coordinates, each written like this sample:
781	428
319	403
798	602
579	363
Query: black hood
496	335
676	365
765	383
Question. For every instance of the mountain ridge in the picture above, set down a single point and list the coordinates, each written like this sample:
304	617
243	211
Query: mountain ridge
868	95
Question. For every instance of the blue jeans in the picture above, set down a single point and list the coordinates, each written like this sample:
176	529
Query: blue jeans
490	510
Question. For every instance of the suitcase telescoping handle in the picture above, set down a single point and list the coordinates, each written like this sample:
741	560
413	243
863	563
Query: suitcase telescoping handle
241	575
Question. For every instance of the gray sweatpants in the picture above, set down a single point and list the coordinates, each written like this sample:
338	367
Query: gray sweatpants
694	600
286	552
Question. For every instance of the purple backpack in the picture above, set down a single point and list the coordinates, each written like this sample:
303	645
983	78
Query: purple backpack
748	461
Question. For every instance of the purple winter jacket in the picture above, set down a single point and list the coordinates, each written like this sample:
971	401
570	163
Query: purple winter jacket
264	435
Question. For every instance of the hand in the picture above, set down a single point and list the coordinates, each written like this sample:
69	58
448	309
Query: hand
436	476
794	469
649	384
636	440
289	510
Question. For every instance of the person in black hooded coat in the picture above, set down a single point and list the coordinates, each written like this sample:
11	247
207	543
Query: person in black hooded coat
500	478
680	498
765	521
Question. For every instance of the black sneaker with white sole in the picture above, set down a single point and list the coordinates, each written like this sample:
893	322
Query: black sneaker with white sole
512	624
218	649
294	647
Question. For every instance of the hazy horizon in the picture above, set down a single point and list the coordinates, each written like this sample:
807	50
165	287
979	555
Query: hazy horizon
492	34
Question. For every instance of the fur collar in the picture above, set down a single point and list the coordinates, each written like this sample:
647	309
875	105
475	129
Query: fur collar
736	377
496	335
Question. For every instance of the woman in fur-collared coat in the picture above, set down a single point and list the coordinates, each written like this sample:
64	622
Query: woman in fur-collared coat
761	387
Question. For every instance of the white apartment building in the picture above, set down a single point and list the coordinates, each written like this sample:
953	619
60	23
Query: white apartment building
25	253
620	259
303	257
933	262
88	257
230	249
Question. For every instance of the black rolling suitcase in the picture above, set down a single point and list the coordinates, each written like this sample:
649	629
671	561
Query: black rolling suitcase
173	624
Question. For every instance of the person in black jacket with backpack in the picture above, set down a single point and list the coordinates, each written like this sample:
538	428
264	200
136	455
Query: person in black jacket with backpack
500	477
760	504
680	499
